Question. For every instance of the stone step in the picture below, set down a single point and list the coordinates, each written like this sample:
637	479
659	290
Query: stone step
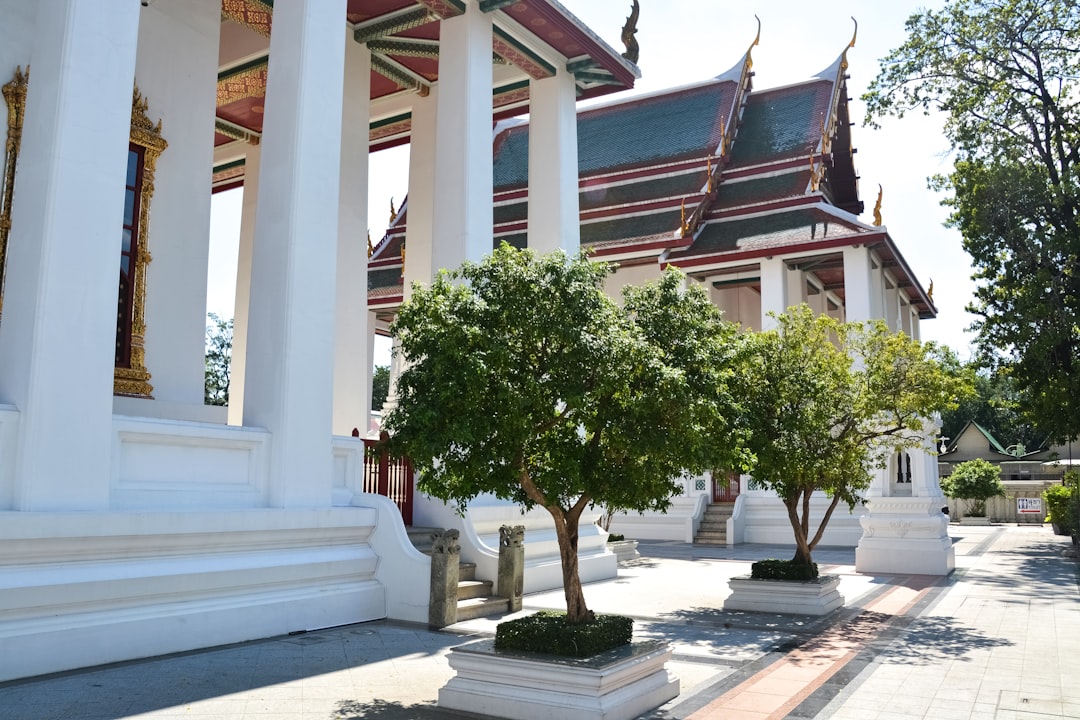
471	589
713	524
481	607
421	538
708	538
466	571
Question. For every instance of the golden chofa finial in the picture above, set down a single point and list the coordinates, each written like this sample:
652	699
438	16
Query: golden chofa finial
684	227
402	258
393	211
854	34
370	247
710	182
629	31
757	41
930	291
877	207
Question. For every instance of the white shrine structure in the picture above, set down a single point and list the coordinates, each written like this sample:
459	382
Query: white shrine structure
135	520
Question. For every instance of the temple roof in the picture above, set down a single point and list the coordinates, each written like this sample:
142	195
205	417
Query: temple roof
782	174
532	39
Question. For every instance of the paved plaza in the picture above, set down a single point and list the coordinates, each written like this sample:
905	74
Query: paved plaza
999	638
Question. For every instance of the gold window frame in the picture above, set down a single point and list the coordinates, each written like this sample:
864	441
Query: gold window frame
134	380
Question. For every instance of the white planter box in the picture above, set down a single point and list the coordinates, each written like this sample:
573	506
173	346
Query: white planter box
814	597
617	685
624	550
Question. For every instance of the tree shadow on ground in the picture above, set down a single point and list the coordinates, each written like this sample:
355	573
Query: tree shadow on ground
386	710
919	641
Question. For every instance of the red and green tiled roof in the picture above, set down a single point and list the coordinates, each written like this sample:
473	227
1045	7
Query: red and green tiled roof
665	128
782	124
756	190
774	230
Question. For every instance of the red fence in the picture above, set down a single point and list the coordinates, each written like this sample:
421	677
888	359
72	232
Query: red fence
389	476
725	486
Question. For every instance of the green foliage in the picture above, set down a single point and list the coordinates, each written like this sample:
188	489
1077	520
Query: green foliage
219	335
1063	503
1006	73
783	570
997	405
826	402
524	380
975	481
549	632
616	537
380	386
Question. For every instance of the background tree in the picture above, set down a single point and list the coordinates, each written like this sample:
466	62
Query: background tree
380	386
525	380
975	481
996	405
1006	73
826	402
218	356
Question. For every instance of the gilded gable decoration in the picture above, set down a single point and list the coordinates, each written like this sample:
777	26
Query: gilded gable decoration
629	30
877	207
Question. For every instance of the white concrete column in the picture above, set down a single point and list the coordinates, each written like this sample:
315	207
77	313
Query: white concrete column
177	72
238	368
463	157
774	290
553	165
57	339
352	382
857	284
420	228
796	287
291	325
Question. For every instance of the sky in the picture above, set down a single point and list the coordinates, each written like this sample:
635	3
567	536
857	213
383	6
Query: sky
686	41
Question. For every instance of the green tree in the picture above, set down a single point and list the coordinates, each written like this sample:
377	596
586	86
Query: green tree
1006	73
975	481
380	386
995	405
523	379
826	402
219	335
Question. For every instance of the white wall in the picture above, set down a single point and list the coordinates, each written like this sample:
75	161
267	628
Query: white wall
176	71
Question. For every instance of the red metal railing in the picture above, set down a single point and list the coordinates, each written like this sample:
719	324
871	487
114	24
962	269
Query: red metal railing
389	476
725	486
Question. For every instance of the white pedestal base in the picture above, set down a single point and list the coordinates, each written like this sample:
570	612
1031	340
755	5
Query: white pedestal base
818	597
906	536
624	550
618	685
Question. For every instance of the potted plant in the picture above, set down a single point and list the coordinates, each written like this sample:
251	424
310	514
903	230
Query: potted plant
974	481
825	403
524	380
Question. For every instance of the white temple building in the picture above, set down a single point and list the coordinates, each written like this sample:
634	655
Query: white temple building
134	519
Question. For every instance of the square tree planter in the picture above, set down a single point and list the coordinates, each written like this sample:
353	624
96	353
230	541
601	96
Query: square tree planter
616	685
811	597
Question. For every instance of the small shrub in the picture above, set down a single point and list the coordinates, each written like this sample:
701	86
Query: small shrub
615	537
975	481
548	632
783	570
1061	502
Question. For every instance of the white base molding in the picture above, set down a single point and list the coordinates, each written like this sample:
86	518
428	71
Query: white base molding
972	520
617	685
813	597
907	536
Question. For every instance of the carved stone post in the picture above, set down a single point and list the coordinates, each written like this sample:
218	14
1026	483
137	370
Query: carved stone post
445	562
511	564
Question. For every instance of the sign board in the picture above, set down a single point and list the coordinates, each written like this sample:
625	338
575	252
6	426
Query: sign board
1029	505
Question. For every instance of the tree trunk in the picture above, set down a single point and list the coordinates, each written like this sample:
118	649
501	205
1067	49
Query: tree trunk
799	525
577	613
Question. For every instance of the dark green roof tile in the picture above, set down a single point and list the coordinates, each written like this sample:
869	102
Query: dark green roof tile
664	128
658	223
759	190
782	124
776	230
382	278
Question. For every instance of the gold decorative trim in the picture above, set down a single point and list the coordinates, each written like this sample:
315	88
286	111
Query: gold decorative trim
135	380
15	96
253	14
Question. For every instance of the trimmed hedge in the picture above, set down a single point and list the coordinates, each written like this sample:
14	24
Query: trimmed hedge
548	632
783	570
